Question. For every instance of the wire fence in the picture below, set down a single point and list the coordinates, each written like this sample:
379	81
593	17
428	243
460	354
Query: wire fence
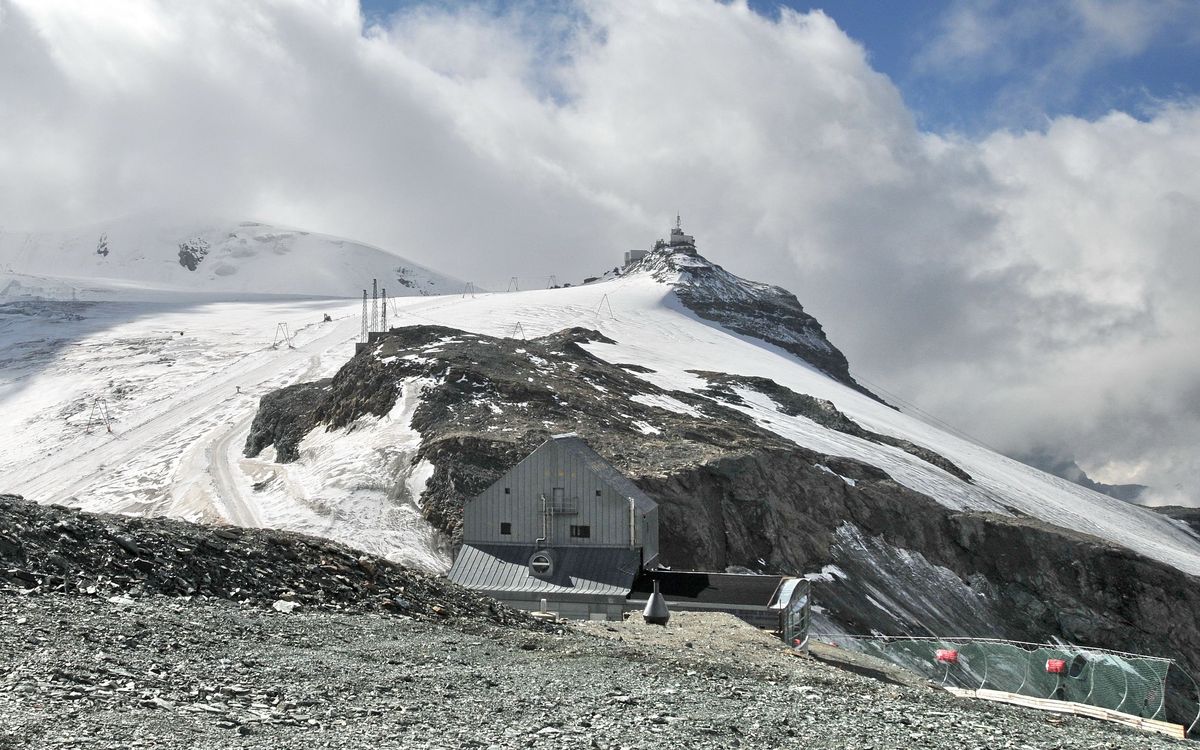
1146	686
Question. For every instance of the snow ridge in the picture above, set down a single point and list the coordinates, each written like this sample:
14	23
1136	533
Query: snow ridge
762	311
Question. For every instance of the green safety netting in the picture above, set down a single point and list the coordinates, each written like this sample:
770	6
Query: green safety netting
1129	683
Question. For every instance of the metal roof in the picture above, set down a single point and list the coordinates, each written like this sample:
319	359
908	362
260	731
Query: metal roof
603	469
710	588
598	571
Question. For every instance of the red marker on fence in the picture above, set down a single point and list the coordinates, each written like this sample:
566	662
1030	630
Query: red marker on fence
948	655
1056	666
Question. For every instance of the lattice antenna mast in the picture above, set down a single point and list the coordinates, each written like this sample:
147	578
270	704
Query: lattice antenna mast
374	304
363	335
383	326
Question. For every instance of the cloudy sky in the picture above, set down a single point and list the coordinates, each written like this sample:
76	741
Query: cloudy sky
993	207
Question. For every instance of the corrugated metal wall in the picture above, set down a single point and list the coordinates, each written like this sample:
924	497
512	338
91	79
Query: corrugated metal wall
548	467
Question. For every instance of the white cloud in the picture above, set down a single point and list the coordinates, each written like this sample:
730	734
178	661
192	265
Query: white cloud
1030	288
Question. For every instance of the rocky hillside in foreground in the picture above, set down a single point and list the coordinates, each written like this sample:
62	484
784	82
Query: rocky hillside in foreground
732	493
49	549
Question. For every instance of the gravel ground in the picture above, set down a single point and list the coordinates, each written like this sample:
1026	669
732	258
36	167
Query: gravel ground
160	672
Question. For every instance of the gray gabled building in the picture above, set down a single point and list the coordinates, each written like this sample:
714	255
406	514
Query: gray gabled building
562	525
566	527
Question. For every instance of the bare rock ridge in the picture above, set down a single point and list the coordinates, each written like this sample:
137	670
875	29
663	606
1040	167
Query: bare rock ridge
732	493
284	417
763	312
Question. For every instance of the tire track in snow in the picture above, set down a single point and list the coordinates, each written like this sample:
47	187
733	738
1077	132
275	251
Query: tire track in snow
222	468
71	471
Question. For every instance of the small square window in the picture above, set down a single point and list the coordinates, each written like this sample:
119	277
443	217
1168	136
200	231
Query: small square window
599	493
507	490
581	532
506	528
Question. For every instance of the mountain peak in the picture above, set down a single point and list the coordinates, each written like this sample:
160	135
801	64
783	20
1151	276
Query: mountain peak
765	312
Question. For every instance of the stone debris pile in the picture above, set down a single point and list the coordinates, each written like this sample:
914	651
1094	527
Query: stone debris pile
52	549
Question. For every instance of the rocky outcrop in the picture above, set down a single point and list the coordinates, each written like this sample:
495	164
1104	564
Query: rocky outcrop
486	403
284	417
192	252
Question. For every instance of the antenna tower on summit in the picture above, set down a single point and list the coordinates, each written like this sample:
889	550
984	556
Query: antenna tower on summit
383	311
680	242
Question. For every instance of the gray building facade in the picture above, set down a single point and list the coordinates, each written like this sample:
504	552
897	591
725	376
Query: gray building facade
562	525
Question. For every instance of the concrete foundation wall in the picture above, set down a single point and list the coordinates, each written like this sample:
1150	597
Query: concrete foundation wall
594	609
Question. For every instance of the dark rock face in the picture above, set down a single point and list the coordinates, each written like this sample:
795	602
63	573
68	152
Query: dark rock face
760	311
52	549
734	494
284	417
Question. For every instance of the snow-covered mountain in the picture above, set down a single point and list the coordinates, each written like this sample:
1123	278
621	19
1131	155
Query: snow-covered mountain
152	255
719	396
